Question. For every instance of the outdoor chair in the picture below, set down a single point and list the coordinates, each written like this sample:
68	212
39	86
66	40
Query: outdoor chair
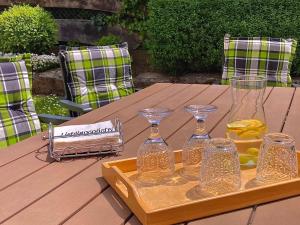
95	76
259	56
18	118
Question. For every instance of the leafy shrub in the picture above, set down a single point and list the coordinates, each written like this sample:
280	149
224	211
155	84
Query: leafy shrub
187	35
108	40
41	63
74	43
99	21
27	29
132	15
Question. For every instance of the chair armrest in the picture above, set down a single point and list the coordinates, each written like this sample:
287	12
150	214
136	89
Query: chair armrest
54	119
72	106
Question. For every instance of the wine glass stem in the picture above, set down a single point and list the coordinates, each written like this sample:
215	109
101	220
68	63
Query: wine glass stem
154	132
200	129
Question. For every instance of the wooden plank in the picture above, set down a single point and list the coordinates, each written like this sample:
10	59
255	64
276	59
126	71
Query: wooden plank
239	217
66	200
178	90
82	195
32	188
88	211
123	104
31	164
292	125
101	211
53	171
23	167
85	211
35	143
21	149
277	106
285	212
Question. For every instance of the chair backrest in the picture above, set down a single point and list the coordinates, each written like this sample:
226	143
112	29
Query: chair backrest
96	75
259	56
18	118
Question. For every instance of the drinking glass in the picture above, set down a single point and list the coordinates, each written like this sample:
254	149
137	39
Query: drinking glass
155	159
192	149
220	167
277	159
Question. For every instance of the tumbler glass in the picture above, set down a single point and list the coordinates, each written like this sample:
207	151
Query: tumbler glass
277	159
220	167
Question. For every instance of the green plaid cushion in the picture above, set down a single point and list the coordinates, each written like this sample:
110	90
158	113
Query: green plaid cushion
259	56
99	75
18	119
26	57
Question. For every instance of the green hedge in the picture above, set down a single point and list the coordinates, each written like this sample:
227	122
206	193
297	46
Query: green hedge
187	35
27	29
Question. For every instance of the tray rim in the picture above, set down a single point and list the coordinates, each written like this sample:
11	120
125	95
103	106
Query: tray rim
145	215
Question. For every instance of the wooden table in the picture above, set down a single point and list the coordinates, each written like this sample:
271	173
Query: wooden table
35	190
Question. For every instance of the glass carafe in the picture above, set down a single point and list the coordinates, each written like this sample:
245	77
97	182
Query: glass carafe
247	124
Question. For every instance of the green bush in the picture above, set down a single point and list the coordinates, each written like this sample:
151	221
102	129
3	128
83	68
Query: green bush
27	29
132	15
108	40
187	35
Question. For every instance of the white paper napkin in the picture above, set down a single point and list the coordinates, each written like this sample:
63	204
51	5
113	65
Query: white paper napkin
80	138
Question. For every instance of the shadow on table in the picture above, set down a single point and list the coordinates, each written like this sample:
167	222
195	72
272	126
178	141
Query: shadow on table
112	198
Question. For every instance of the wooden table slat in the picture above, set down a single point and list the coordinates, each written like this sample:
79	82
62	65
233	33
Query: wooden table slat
35	143
31	164
36	191
204	98
292	123
284	212
39	193
239	217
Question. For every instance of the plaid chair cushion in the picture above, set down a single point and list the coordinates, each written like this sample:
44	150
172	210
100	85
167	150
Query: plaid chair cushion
18	119
26	57
259	56
99	75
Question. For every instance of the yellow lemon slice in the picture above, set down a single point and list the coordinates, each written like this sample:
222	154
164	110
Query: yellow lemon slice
239	124
246	158
252	151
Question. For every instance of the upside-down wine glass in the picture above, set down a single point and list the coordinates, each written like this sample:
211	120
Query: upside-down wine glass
155	159
192	150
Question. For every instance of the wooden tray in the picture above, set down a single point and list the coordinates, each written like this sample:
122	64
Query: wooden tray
179	202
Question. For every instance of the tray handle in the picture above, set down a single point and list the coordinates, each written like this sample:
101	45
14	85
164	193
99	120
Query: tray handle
121	184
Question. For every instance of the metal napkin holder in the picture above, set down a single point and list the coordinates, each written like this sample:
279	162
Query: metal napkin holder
88	150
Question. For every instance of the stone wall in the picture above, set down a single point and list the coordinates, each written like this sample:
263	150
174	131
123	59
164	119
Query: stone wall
103	5
85	32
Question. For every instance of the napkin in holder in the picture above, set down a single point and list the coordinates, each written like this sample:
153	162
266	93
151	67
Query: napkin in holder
85	140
